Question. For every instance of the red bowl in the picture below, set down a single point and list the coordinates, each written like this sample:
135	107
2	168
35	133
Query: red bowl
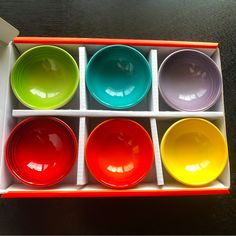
119	153
40	151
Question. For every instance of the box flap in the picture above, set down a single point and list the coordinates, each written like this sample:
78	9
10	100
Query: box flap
7	31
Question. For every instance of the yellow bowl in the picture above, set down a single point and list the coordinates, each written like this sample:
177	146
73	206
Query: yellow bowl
194	151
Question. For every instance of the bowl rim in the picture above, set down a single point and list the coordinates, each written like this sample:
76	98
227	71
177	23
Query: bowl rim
140	55
17	128
163	157
59	104
151	158
213	63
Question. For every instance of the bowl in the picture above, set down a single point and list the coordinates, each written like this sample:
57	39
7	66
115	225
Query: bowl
41	151
45	77
118	76
189	80
194	151
119	153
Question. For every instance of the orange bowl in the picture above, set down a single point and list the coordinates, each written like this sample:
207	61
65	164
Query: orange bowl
119	153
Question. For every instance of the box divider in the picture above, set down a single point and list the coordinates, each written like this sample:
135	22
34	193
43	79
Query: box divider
82	178
108	113
157	155
154	87
82	85
182	114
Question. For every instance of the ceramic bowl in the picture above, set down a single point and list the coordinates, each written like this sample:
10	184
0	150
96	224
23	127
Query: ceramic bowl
194	151
45	77
189	80
41	151
119	153
118	76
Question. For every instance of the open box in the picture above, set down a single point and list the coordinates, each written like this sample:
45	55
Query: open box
83	113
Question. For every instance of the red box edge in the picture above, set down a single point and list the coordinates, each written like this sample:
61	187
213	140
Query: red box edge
112	193
106	41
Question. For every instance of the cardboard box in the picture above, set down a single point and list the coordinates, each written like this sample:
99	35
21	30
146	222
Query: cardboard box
83	113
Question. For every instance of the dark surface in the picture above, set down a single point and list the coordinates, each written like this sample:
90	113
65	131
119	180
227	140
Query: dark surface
196	20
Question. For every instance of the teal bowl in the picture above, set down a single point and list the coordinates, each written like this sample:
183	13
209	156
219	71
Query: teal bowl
118	76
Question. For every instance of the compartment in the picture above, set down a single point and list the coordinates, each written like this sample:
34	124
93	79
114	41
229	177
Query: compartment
8	181
149	103
213	54
86	127
170	182
20	109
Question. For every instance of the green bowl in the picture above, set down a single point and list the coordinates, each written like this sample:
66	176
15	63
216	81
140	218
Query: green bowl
45	77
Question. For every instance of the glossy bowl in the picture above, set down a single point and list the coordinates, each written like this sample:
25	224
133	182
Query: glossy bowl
119	153
189	80
41	151
118	76
45	77
194	151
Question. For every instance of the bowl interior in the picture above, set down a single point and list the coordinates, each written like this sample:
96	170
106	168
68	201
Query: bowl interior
119	153
194	151
189	81
45	77
118	76
41	151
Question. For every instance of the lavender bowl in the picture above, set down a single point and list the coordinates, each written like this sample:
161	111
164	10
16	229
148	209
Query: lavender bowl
189	80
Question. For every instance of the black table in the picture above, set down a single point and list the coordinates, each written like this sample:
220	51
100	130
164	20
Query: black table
196	20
